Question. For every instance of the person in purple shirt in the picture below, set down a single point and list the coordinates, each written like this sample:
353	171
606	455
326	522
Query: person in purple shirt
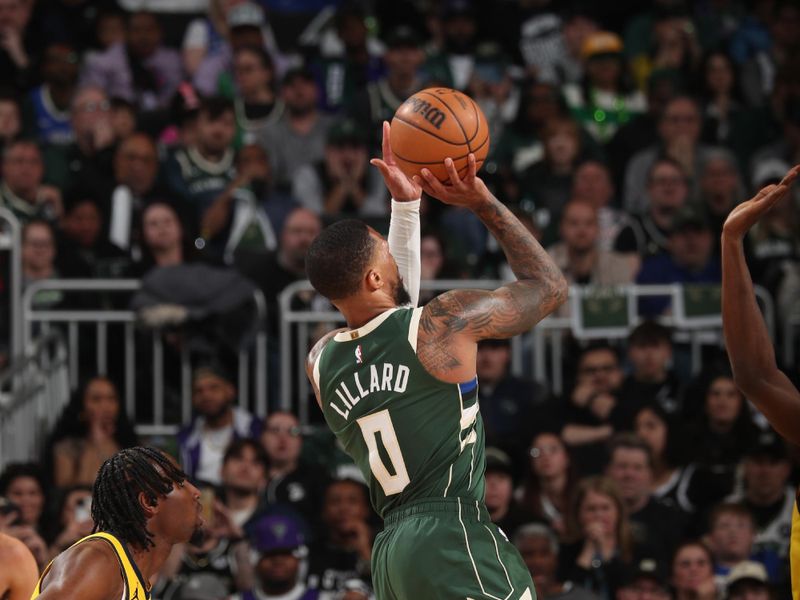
141	70
690	259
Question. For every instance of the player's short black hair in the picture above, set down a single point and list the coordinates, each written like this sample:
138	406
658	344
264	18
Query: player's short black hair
338	258
120	480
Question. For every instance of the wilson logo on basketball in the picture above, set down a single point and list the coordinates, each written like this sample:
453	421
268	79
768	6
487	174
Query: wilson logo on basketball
432	115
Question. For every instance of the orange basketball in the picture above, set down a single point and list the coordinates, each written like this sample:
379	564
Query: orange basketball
435	124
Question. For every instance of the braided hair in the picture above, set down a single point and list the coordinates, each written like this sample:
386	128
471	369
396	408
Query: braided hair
120	480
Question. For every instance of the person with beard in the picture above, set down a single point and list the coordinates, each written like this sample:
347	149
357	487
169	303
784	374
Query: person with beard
281	549
292	482
47	106
668	191
202	443
199	173
454	65
142	505
298	136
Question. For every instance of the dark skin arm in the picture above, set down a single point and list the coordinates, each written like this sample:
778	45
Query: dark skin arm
452	323
749	346
89	571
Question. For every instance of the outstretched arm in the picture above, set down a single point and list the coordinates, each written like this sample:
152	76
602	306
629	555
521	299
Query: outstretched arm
749	345
454	322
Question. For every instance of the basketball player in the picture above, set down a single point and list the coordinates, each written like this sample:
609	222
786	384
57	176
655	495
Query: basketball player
142	505
19	572
749	346
399	390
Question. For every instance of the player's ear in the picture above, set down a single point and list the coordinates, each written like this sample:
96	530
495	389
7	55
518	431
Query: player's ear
374	280
149	507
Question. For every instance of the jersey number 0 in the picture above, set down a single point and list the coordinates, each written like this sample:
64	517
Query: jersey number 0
379	434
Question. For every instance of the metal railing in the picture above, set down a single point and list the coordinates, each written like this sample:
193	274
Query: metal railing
33	392
529	352
102	319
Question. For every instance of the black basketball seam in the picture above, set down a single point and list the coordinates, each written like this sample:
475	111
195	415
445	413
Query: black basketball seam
427	162
460	126
438	137
477	118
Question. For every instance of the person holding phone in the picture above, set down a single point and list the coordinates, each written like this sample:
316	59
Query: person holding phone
75	517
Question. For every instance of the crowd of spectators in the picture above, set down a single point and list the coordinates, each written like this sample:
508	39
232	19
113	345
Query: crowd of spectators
201	145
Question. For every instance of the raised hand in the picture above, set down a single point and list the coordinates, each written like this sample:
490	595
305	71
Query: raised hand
400	187
747	214
469	192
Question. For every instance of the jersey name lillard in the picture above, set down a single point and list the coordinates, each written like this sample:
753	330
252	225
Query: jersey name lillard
384	378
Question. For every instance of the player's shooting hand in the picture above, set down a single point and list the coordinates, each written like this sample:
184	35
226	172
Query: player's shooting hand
469	192
744	216
400	187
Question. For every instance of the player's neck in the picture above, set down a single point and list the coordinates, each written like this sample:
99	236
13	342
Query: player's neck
150	561
358	312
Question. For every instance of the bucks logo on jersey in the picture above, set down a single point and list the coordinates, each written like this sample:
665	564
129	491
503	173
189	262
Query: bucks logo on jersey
411	435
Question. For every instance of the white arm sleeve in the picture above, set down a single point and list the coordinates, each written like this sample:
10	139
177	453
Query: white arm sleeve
404	240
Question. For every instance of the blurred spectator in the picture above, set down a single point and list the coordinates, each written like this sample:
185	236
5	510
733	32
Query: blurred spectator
47	106
164	242
83	250
550	481
123	118
630	466
216	424
721	188
601	549
453	65
250	213
767	492
20	577
785	143
651	379
354	589
18	52
198	174
298	137
721	96
92	427
606	98
645	582
291	482
538	546
244	477
141	70
10	119
255	99
667	193
731	536
674	46
345	550
748	581
380	99
592	401
22	190
281	551
74	517
135	182
513	409
592	183
205	36
692	575
25	518
672	484
679	135
342	183
38	260
579	256
548	182
493	88
690	260
504	510
109	28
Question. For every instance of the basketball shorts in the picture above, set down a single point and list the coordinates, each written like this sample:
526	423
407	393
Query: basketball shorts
446	549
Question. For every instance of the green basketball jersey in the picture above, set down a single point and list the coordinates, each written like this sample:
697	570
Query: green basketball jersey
412	436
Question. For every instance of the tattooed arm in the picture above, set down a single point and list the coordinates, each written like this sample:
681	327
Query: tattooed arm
453	323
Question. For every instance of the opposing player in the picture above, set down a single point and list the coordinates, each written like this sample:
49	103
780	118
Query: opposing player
749	346
399	390
19	572
142	505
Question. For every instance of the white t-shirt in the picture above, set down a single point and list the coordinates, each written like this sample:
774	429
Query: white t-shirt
212	448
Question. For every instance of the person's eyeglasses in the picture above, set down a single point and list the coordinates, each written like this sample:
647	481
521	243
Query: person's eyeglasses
292	431
92	107
538	451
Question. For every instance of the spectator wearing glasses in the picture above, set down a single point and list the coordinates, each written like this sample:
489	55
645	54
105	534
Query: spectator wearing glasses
290	481
22	190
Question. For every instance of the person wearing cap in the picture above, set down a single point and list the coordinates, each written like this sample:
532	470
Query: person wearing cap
605	99
504	510
342	184
539	547
381	98
299	134
690	259
280	545
748	581
646	581
767	492
217	422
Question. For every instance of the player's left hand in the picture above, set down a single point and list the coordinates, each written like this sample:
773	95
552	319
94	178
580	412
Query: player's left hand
747	214
468	192
400	187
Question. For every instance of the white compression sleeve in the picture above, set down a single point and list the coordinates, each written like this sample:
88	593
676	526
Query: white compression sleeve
404	240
